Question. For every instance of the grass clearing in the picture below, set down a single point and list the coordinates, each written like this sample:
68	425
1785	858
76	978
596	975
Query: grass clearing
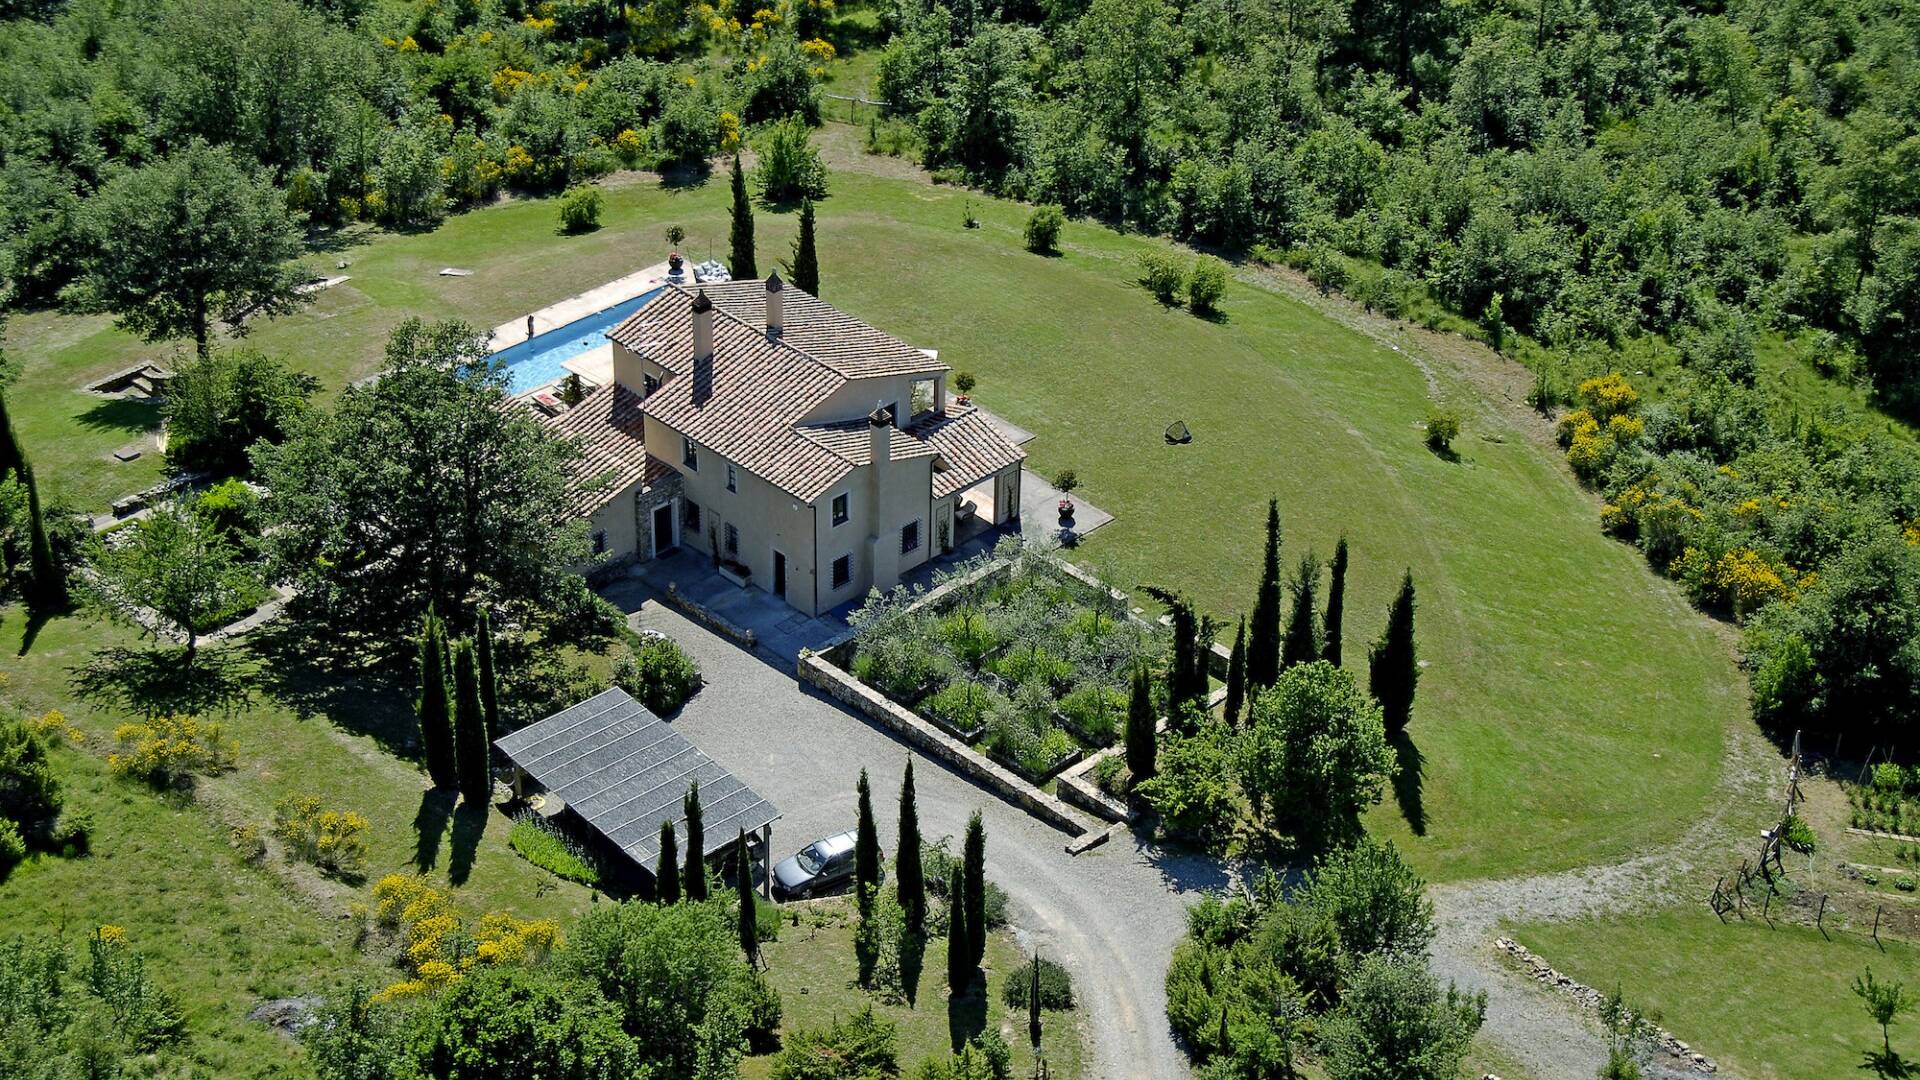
1549	648
812	965
1768	1004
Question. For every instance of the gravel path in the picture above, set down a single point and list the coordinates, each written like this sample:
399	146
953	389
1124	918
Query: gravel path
1111	916
1542	1029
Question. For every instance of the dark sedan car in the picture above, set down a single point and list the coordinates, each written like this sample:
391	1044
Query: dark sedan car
816	868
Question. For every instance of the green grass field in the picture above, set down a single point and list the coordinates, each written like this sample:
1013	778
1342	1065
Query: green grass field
813	968
1572	707
1768	1004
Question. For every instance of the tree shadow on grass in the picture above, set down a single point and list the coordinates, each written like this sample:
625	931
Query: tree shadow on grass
1408	782
36	621
1888	1064
429	826
1445	453
315	674
967	1015
469	822
121	414
160	682
913	960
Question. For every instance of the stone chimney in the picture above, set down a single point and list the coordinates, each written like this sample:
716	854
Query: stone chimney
702	347
776	308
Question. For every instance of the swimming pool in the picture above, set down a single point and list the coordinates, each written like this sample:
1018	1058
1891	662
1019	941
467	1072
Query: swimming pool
536	362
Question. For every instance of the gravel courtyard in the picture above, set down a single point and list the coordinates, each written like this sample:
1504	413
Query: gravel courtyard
1111	916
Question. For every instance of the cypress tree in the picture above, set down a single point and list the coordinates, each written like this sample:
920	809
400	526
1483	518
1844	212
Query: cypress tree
866	850
693	881
1033	1004
435	706
806	262
472	751
1263	641
909	879
11	459
741	263
1142	745
974	868
1237	674
749	921
666	874
1336	605
1302	643
959	947
47	583
1187	671
1393	667
489	681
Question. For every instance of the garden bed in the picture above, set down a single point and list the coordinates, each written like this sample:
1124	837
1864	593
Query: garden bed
1019	654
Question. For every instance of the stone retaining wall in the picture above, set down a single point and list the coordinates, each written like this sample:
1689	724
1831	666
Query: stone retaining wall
817	671
709	618
1590	1000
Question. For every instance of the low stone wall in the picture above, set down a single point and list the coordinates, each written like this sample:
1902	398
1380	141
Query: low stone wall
709	618
1590	1000
817	671
1077	787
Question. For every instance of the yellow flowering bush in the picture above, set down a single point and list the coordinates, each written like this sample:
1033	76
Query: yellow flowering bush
438	949
167	749
519	162
1573	423
1748	580
729	131
1606	396
819	48
1624	428
628	144
1590	453
333	840
109	934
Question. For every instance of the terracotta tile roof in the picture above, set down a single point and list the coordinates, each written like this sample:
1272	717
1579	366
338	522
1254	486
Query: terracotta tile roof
662	331
606	427
852	442
971	448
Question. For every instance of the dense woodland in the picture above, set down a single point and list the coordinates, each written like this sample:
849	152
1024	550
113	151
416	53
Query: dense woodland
1602	187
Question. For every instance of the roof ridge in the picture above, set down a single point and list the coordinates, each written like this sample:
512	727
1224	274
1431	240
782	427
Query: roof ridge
780	340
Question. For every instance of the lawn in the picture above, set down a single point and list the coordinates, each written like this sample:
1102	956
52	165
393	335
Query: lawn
219	935
1572	707
812	965
1769	1004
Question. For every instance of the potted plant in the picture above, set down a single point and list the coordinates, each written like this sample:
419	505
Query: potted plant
963	382
1066	481
675	263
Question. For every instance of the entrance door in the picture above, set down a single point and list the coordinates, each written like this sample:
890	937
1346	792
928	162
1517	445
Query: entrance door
662	529
779	575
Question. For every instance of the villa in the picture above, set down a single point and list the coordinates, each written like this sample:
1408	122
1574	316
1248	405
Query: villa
808	453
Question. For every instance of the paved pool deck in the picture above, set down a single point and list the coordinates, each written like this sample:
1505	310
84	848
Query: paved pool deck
553	316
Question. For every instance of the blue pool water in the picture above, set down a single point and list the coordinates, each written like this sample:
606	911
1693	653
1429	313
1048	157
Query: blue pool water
539	361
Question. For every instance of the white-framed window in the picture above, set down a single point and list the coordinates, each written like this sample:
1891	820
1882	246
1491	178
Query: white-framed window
840	509
689	454
733	541
910	537
842	571
732	479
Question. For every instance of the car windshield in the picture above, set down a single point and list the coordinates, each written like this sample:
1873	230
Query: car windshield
810	860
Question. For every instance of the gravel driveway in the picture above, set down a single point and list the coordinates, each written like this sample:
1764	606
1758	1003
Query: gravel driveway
1111	916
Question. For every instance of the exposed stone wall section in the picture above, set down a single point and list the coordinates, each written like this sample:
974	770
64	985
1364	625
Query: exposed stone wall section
709	618
817	671
645	501
1590	1000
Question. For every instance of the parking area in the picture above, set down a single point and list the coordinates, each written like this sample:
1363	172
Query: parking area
1111	916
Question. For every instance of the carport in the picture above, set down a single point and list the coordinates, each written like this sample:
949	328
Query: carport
621	771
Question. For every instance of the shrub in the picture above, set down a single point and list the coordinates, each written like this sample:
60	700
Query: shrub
1161	273
964	704
939	864
790	167
233	509
1111	776
543	845
1043	229
1206	285
1889	778
1443	426
1094	713
1191	789
580	209
1056	986
145	1015
13	846
166	750
862	1046
333	840
30	797
1326	269
1797	835
659	673
964	382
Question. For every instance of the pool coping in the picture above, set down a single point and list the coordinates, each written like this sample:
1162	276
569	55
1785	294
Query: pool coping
574	308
